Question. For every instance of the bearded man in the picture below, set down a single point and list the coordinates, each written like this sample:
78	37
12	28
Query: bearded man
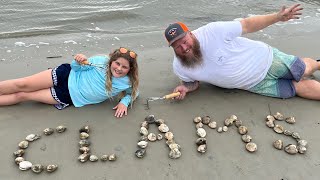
217	54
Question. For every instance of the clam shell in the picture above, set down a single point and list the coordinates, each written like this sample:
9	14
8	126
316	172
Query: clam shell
84	143
199	125
144	131
228	122
212	124
150	119
224	128
61	129
278	116
159	122
197	119
143	138
25	165
142	144
246	138
84	157
18	160
270	124
84	149
48	131
168	142
152	137
202	148
270	118
33	137
85	129
302	142
242	130
238	123
159	137
287	133
140	153
295	135
18	153
174	153
37	168
23	144
51	168
234	117
291	149
84	135
174	146
219	129
251	147
168	135
290	120
206	120
104	157
163	128
278	144
302	149
112	157
201	141
278	129
145	124
201	132
93	158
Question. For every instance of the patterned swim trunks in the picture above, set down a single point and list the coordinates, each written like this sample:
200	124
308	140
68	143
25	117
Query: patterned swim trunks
278	81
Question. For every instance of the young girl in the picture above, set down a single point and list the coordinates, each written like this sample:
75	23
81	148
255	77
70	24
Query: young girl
84	81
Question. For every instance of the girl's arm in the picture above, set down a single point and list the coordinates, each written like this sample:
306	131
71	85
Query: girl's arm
122	107
79	67
79	59
126	100
77	63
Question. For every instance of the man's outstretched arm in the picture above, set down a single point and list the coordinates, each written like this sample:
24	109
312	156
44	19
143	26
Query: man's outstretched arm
256	23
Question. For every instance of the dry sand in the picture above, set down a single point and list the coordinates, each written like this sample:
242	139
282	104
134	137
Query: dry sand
226	157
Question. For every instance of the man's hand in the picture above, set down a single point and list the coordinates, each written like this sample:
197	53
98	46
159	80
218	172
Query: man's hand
185	88
292	12
121	110
183	92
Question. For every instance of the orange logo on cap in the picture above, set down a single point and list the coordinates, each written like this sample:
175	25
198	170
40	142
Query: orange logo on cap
172	31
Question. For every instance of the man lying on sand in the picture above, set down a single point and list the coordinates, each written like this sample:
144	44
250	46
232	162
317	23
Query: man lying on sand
217	54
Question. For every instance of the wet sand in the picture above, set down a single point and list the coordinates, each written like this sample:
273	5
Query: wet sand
226	157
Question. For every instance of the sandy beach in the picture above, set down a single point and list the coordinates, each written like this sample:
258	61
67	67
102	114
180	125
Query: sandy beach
226	157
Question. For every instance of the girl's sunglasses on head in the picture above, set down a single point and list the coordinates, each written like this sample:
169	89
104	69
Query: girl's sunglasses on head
132	54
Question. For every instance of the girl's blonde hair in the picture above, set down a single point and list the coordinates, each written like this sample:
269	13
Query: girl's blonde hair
133	72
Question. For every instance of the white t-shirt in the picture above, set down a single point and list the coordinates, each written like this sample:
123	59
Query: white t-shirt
229	61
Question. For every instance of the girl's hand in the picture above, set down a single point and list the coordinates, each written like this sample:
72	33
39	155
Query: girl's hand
121	110
80	58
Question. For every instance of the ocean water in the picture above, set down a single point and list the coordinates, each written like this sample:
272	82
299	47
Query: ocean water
38	23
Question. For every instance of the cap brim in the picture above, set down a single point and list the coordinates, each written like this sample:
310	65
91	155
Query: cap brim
177	38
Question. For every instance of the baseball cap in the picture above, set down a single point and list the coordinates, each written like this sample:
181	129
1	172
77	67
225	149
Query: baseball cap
175	31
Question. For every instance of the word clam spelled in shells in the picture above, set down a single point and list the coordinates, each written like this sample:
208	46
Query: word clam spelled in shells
146	137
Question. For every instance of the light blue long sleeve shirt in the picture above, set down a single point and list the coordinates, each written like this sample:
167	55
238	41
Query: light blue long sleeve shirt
87	84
